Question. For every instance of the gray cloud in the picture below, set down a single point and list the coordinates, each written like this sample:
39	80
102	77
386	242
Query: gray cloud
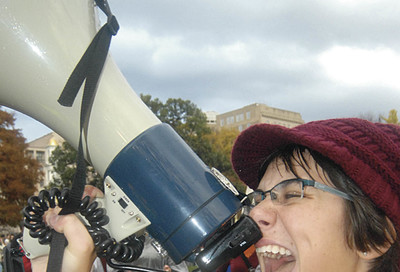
225	55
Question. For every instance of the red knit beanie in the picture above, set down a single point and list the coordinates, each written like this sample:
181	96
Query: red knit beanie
369	153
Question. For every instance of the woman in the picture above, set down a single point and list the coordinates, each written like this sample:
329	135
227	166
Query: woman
326	194
326	197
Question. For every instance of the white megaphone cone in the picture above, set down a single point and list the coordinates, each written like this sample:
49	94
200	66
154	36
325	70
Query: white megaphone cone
41	44
151	175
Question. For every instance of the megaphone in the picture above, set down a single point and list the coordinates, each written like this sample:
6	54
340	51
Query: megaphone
154	181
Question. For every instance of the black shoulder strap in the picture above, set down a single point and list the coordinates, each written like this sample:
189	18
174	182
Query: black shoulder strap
12	258
88	69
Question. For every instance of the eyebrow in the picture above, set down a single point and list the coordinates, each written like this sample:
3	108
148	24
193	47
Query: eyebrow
279	181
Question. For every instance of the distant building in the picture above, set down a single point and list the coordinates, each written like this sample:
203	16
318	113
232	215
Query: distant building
257	113
211	118
41	149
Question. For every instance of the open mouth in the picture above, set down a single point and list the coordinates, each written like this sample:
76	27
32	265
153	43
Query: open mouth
275	258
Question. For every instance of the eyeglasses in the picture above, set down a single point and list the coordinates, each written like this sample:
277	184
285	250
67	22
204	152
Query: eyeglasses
290	191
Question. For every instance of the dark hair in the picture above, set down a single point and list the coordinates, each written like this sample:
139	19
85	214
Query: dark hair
367	226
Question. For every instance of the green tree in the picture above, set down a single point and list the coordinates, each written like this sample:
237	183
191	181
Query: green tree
63	159
186	119
392	118
155	105
191	123
19	173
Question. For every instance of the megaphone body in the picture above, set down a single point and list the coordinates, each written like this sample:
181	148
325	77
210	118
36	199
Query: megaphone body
153	180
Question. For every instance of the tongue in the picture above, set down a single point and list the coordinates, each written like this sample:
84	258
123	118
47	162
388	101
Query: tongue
274	264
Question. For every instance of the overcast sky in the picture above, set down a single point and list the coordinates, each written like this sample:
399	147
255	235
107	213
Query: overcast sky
323	59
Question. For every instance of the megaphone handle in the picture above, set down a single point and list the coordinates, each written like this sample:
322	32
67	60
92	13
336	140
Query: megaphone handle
126	251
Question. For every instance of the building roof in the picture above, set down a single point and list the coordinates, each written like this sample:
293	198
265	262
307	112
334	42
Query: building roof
50	139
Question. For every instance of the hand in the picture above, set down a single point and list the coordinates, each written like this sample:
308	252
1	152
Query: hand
79	254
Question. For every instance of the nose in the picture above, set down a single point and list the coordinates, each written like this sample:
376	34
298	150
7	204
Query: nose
264	214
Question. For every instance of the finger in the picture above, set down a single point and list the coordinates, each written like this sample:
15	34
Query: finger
79	240
69	224
92	192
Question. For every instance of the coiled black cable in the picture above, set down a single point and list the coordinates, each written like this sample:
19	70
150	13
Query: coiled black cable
126	251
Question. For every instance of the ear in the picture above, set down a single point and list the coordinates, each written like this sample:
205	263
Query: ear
372	254
391	237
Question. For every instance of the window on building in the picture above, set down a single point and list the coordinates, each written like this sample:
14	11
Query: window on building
239	117
30	153
40	156
230	120
240	128
248	115
221	122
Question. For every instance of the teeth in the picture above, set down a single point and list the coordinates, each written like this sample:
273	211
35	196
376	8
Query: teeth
273	251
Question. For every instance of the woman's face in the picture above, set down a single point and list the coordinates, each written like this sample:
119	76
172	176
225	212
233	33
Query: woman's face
309	234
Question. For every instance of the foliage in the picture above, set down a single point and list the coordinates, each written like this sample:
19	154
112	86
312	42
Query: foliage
392	118
155	105
185	118
220	157
63	159
18	172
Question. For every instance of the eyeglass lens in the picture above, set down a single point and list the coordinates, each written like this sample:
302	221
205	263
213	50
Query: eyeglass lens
283	193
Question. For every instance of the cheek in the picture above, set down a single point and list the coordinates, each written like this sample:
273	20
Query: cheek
313	223
318	235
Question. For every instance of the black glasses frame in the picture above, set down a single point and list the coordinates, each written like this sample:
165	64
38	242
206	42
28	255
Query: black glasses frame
305	182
